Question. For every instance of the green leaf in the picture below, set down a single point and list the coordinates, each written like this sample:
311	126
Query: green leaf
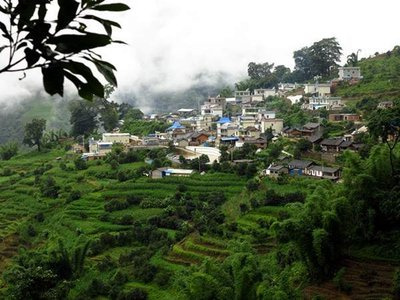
21	45
90	3
3	47
31	56
107	24
5	31
106	69
92	82
42	12
53	79
66	13
73	43
25	10
83	89
111	7
119	42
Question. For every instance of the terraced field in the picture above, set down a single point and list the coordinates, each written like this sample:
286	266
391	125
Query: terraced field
76	221
367	280
195	248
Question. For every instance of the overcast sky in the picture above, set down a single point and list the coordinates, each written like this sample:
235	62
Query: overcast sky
172	40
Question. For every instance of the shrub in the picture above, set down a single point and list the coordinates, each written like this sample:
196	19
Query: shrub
74	195
182	188
49	188
115	204
97	287
39	217
340	282
252	185
31	231
106	264
114	164
80	178
63	166
7	151
243	208
122	176
135	294
162	278
80	164
125	220
7	172
396	284
133	199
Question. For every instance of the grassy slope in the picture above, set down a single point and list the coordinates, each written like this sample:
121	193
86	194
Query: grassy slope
381	80
77	221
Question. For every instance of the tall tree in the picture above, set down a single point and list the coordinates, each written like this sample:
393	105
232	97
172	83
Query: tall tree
258	71
34	133
385	124
318	59
325	54
61	48
83	118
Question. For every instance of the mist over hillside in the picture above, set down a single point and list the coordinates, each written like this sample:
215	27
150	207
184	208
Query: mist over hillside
150	99
159	98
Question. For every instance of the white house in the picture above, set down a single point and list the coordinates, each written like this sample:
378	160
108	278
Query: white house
275	124
295	99
330	103
347	73
321	89
265	92
265	114
204	122
122	138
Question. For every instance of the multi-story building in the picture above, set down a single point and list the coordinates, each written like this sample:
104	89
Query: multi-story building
318	89
204	122
265	92
330	103
122	138
275	124
348	73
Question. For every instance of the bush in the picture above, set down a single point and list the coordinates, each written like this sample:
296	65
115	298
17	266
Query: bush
80	164
125	220
31	231
133	199
39	217
252	185
74	195
162	278
396	284
7	172
115	204
49	188
7	151
340	282
135	294
114	164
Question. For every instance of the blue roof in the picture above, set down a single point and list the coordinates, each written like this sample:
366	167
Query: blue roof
224	120
176	125
229	138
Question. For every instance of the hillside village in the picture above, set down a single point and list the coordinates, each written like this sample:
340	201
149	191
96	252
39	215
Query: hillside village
231	122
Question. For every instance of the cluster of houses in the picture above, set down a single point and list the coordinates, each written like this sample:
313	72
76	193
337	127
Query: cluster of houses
303	168
239	120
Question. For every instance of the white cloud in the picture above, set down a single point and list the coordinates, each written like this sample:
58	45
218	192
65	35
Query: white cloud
171	40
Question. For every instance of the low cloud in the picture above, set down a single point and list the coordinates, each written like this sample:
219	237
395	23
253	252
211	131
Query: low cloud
172	41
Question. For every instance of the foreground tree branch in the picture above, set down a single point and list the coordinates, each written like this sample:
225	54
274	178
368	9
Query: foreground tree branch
59	47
